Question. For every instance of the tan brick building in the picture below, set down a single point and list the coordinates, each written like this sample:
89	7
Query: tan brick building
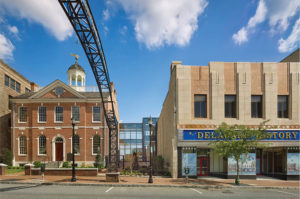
42	130
202	97
12	84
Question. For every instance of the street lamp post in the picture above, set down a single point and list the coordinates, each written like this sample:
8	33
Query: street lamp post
73	152
150	174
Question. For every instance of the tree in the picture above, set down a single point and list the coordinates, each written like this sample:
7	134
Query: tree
98	159
236	140
7	157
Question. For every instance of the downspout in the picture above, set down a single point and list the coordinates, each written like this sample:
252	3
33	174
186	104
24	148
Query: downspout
13	137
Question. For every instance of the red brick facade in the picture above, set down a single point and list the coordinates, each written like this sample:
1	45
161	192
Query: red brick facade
32	129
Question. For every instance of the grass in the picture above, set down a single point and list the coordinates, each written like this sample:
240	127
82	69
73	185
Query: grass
10	171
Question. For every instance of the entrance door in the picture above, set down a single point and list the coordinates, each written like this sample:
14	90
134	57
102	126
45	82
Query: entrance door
258	165
203	166
59	151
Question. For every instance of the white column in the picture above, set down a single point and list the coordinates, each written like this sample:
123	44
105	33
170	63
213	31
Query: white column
76	80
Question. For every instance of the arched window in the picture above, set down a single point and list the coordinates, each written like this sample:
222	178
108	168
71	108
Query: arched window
22	145
76	144
42	145
96	144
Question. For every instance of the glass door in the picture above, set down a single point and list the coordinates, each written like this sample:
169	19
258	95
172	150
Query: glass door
203	166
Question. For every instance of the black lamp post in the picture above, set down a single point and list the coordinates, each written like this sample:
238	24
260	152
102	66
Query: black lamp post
73	152
150	174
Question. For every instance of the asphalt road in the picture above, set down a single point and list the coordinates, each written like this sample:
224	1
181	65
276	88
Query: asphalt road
17	191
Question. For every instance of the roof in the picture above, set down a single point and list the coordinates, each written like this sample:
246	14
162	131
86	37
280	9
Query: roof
293	57
76	66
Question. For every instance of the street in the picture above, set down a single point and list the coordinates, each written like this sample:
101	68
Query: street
17	191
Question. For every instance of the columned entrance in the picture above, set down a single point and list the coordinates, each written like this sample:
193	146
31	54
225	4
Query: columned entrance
58	149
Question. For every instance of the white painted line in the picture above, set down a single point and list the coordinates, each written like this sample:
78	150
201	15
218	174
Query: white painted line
108	189
286	192
196	190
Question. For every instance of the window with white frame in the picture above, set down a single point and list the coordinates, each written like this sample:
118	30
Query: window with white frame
96	113
42	114
23	114
59	110
22	145
96	144
76	113
76	143
42	145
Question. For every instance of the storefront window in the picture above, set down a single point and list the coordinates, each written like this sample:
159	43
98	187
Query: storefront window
189	160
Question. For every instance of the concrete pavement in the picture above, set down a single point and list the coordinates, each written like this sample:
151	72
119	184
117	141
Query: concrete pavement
53	191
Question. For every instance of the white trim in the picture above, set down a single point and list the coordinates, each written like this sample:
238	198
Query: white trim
72	113
20	114
55	114
38	113
38	146
19	154
54	150
93	115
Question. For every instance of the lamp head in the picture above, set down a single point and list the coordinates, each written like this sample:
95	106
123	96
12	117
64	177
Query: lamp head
72	120
150	120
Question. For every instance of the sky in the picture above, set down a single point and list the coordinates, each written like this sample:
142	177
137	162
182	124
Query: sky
142	37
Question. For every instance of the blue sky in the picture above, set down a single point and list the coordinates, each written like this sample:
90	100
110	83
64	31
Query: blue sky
142	37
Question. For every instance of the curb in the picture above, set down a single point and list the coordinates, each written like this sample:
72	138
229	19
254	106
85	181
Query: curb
151	185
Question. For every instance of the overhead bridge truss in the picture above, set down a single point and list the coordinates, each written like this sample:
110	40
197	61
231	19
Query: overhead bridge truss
82	20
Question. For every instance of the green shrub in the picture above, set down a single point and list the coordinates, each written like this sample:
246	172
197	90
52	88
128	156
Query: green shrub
37	164
66	165
7	157
82	165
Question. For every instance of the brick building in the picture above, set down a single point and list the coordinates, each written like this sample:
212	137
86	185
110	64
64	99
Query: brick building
41	125
202	97
12	84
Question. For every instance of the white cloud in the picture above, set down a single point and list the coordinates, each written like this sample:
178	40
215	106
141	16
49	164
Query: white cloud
242	35
48	13
13	29
293	40
6	48
106	14
123	30
278	13
160	22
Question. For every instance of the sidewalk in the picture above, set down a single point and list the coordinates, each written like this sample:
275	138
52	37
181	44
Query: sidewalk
207	182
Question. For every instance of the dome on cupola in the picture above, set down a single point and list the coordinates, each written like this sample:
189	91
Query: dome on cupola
76	76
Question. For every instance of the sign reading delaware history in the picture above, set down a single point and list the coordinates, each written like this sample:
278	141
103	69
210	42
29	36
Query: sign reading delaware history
210	135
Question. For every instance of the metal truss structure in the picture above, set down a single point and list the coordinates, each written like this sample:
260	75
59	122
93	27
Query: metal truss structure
82	20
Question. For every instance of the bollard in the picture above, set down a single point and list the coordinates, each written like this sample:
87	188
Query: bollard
186	171
3	169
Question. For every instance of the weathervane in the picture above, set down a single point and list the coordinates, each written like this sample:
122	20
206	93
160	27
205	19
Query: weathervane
76	56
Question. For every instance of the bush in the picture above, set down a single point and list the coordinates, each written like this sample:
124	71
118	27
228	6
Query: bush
7	157
82	165
37	164
66	165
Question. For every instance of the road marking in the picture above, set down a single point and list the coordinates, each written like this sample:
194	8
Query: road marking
108	189
286	192
196	190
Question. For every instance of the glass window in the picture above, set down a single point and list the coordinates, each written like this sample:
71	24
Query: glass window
12	84
59	113
76	113
96	144
22	145
200	106
42	144
23	114
133	135
230	106
256	106
96	113
76	143
27	90
18	87
122	135
282	111
127	135
42	114
6	80
139	135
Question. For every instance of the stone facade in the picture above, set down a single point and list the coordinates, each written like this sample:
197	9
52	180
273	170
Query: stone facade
241	79
7	92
